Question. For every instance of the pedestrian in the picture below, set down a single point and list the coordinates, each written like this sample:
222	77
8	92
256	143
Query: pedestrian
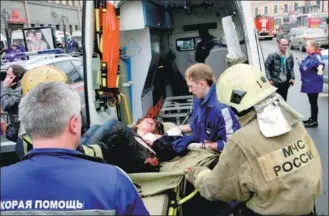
280	68
271	166
212	122
311	70
11	93
54	176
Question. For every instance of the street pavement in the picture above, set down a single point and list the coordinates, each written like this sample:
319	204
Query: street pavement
299	102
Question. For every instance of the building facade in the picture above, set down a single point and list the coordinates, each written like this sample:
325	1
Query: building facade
282	8
24	14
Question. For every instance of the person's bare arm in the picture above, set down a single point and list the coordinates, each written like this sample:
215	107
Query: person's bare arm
185	128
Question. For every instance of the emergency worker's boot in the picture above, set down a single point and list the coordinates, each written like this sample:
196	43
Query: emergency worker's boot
311	124
307	121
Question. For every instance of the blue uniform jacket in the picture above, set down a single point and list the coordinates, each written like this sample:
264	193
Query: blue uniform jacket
311	81
212	120
63	179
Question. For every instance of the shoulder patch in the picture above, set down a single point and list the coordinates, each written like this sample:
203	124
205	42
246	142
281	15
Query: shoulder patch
287	160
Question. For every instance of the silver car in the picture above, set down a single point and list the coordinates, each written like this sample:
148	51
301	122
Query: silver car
298	40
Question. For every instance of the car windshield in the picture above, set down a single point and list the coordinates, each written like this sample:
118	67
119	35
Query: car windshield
315	31
286	27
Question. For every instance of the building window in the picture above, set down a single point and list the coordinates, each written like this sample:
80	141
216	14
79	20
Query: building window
70	29
318	2
275	9
285	7
57	27
33	25
295	6
256	11
67	2
265	10
76	27
73	3
41	25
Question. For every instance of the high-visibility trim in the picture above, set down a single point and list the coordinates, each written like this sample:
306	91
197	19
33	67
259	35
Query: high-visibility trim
97	150
88	151
26	142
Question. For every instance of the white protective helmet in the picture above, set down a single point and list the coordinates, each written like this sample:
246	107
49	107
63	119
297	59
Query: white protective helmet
242	86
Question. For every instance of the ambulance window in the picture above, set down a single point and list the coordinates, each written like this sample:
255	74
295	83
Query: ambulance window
69	69
187	44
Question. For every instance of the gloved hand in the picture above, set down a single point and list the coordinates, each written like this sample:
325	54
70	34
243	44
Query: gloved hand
320	70
196	146
174	132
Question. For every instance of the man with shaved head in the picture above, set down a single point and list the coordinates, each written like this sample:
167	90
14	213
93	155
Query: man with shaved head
280	68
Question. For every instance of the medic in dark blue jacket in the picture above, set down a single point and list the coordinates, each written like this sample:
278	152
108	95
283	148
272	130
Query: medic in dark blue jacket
311	70
312	82
63	179
212	122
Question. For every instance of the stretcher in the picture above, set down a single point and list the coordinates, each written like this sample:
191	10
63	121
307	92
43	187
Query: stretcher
163	193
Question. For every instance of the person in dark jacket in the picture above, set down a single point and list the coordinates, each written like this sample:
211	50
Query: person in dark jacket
11	92
204	47
53	176
212	123
311	69
280	68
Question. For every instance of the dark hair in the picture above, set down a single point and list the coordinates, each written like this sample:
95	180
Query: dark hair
29	32
280	39
159	129
18	70
38	31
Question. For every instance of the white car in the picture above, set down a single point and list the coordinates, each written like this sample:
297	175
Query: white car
73	68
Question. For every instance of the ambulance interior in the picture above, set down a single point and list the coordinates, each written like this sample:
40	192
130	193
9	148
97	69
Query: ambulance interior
160	38
153	33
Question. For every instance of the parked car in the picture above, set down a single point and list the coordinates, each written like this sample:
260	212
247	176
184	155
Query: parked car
284	29
304	34
72	67
292	32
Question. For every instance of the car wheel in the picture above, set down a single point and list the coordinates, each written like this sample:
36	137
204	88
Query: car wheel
290	46
301	47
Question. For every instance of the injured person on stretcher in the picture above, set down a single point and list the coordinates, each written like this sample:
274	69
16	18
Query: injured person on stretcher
137	149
